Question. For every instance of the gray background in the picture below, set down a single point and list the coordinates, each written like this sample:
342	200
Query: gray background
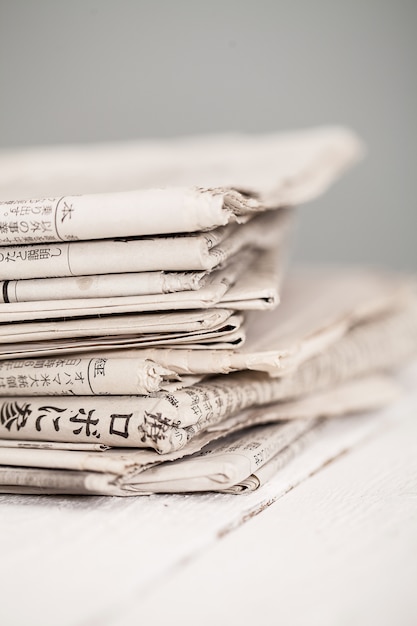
85	70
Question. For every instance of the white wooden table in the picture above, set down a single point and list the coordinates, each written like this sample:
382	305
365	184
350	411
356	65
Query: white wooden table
331	540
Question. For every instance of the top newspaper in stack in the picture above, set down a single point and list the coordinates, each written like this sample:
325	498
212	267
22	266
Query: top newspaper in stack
86	272
99	269
225	180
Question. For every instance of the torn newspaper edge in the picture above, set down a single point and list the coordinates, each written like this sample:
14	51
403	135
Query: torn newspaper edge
88	377
306	322
195	252
317	307
100	286
117	373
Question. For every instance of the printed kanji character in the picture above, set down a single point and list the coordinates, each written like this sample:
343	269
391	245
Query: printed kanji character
14	414
86	422
46	226
24	210
45	380
154	426
69	380
79	377
35	226
22	381
33	255
123	421
44	253
49	411
67	211
99	365
259	457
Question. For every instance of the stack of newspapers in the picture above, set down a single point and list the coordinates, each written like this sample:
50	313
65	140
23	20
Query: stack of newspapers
150	337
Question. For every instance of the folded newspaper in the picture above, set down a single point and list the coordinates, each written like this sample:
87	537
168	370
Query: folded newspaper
142	348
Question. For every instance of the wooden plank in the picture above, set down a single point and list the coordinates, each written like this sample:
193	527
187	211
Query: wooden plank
339	549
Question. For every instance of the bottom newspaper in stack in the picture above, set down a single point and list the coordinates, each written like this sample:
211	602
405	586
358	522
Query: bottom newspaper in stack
206	419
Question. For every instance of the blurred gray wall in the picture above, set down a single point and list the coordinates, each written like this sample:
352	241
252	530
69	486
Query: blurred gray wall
93	70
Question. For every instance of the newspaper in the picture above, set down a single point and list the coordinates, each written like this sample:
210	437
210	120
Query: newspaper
276	341
255	274
154	324
198	251
235	177
259	288
116	373
264	473
225	463
81	376
100	286
167	421
226	332
218	466
130	375
317	307
210	294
